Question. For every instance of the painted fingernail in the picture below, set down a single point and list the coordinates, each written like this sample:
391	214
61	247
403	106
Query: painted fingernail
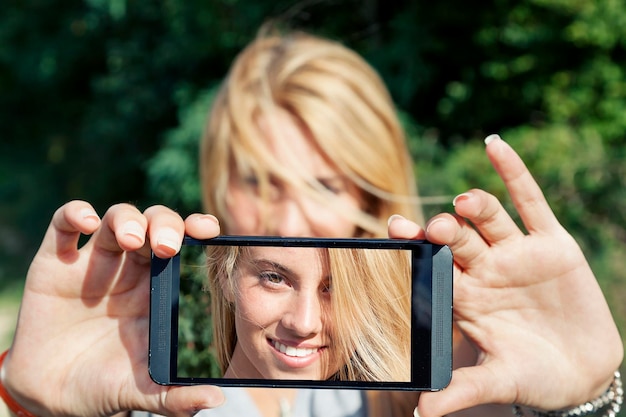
491	138
134	229
461	197
416	413
394	217
168	238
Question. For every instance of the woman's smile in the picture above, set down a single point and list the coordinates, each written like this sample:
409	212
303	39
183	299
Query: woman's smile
288	350
295	357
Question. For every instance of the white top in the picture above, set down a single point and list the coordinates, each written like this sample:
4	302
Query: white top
307	403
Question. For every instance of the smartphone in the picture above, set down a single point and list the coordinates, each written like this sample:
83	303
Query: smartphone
254	311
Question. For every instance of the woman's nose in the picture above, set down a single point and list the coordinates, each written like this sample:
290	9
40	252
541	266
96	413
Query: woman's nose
288	217
304	318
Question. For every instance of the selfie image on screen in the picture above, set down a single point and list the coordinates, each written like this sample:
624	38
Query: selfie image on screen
295	313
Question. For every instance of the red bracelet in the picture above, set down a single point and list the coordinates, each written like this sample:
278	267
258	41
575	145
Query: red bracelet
13	405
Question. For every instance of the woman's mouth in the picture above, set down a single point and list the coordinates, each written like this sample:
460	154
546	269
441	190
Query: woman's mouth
293	351
297	362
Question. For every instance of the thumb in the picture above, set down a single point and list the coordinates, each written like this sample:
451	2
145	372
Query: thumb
468	388
187	401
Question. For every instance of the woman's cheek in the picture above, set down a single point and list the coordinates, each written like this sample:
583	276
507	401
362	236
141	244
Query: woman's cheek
259	307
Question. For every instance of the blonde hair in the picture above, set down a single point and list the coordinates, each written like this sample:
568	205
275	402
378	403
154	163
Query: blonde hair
370	340
337	98
371	313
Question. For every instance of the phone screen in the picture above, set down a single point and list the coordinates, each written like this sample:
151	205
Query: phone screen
256	311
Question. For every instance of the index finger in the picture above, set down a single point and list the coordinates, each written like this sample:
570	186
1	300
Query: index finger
525	193
68	223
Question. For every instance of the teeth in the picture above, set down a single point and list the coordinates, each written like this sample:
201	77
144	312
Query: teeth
292	351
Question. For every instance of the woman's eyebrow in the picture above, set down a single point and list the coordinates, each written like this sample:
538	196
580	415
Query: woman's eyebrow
268	263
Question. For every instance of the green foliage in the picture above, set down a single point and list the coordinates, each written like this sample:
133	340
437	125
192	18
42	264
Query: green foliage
196	354
173	173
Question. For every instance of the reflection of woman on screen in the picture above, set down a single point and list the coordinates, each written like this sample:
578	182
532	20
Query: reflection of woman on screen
311	313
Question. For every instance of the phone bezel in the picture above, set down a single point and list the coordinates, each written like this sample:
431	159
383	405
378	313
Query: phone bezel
431	327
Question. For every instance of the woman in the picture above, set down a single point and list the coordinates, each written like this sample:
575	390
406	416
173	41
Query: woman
537	328
303	140
289	313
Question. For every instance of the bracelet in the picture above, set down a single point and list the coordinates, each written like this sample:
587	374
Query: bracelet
611	402
13	405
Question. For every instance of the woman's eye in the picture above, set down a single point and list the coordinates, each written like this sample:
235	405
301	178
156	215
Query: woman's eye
272	278
335	185
254	184
251	181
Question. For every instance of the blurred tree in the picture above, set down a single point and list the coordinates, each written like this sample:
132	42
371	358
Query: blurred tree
87	88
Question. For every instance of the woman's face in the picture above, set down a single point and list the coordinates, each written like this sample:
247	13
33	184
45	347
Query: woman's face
282	298
290	211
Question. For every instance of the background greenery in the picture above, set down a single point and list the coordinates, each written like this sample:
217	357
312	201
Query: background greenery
104	100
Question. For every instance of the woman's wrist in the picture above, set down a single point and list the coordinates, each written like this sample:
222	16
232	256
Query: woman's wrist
15	409
608	404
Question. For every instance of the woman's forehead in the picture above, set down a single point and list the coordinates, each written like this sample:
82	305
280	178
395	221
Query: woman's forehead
291	145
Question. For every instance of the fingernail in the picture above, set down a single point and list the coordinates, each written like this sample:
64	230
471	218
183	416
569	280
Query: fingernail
430	224
491	138
461	197
89	214
208	217
416	413
168	238
394	217
132	228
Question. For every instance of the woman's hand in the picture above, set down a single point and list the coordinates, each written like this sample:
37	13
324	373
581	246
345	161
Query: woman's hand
528	302
81	345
